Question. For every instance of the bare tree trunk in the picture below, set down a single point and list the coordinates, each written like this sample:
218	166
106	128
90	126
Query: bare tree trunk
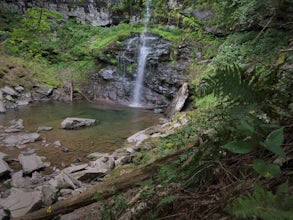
71	85
41	15
105	189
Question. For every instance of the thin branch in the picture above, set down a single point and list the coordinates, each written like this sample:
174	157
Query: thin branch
285	50
267	24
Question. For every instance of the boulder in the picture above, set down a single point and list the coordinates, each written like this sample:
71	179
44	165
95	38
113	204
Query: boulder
65	181
22	201
74	168
75	123
9	91
2	107
49	195
178	102
4	214
20	139
89	174
30	163
22	102
138	138
44	128
15	126
18	181
123	160
5	157
103	164
9	98
4	168
19	88
97	155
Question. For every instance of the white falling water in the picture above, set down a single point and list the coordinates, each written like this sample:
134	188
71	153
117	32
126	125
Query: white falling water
144	50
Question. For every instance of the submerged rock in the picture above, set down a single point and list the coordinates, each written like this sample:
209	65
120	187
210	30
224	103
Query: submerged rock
76	123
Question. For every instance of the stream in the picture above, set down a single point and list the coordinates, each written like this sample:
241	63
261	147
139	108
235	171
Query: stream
115	124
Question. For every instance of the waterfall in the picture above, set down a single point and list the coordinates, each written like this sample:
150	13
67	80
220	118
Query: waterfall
144	51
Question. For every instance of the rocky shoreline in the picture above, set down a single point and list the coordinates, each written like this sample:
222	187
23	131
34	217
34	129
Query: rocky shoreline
18	96
30	187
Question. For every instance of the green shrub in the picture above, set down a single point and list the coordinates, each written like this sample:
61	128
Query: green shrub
264	204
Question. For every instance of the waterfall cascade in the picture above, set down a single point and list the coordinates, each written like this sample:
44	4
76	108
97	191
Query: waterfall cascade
144	50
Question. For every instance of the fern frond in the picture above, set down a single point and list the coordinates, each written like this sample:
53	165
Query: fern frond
230	82
264	204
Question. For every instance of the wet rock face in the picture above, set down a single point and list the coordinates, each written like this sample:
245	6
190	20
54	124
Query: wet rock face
95	12
116	82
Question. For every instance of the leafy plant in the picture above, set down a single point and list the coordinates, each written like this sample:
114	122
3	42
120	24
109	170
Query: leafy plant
166	200
112	209
246	122
148	189
264	204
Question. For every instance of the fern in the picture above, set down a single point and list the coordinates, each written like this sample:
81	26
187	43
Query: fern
264	204
231	83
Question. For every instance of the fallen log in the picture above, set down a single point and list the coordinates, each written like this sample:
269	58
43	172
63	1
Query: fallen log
105	189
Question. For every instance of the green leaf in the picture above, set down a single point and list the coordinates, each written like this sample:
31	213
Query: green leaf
238	147
273	142
147	182
245	128
165	200
265	169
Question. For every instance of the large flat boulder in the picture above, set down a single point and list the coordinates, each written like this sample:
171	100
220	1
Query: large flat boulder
30	163
64	181
89	174
22	201
20	139
76	123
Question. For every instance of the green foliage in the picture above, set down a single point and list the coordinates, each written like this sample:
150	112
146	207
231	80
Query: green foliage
42	23
230	83
265	169
8	20
249	129
273	142
169	173
148	189
112	209
238	147
244	49
264	204
245	13
106	36
166	200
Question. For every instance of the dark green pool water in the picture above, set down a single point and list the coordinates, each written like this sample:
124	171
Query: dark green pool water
115	124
